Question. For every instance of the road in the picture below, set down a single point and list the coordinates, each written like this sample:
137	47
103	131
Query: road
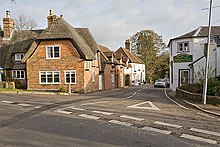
134	116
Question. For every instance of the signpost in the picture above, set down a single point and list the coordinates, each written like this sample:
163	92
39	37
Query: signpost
1	72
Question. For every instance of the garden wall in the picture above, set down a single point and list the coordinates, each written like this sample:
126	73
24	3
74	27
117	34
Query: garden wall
8	85
183	94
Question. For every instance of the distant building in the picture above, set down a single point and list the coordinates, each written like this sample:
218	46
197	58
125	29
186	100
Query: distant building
135	67
187	58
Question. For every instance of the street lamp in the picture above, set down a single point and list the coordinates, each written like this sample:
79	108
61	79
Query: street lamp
207	57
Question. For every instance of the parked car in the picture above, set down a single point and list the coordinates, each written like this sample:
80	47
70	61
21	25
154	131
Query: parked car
161	83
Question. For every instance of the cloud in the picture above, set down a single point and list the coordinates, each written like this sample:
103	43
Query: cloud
113	21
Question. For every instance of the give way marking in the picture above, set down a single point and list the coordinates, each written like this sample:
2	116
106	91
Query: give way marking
151	107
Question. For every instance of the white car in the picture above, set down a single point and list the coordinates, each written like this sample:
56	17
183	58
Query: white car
161	83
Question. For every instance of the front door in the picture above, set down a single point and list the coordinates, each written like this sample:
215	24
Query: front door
183	77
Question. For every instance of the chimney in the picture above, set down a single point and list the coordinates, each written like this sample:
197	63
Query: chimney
51	18
8	26
128	44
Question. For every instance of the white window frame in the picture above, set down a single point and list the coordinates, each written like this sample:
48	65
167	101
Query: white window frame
71	72
47	73
16	74
184	48
88	65
53	52
19	56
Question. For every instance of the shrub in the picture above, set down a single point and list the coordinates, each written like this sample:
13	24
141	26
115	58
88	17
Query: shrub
62	89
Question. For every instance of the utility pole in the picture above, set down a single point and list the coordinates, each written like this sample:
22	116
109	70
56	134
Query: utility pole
207	57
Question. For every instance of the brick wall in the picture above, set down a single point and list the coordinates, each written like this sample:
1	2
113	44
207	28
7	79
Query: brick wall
69	60
109	71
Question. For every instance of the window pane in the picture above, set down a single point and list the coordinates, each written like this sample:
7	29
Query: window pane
56	52
22	74
18	74
14	74
49	77
56	77
73	77
49	52
43	77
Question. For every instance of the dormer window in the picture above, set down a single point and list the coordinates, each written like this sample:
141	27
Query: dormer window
183	47
18	57
53	52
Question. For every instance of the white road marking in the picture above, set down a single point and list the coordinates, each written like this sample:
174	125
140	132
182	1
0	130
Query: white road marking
64	112
139	90
205	115
131	117
152	106
7	102
205	131
102	112
135	93
24	105
75	108
94	103
173	100
167	124
37	107
89	116
120	123
187	136
157	130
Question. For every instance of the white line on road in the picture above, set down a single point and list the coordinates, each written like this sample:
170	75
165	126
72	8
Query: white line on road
173	100
24	105
135	93
139	90
131	117
94	103
37	107
187	136
75	108
205	131
205	115
7	102
64	112
120	123
167	124
102	112
157	130
89	116
137	106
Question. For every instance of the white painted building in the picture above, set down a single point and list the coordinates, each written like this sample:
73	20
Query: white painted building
187	59
135	67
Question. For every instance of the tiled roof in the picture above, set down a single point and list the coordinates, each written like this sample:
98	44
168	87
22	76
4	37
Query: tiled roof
127	54
199	32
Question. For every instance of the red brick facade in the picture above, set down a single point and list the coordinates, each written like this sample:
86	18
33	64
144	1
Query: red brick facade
69	60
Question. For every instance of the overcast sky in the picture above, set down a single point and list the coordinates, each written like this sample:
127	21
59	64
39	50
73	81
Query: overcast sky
113	21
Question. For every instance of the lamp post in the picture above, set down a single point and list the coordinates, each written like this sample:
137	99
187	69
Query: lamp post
207	56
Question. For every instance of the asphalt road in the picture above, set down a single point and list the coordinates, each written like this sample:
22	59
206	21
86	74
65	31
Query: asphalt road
134	116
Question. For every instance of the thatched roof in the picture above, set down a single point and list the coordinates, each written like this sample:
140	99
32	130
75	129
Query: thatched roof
60	29
125	53
8	51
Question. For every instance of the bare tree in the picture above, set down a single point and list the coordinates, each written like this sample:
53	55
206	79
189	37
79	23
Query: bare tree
23	22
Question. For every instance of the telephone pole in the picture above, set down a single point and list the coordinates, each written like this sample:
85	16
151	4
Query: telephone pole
207	56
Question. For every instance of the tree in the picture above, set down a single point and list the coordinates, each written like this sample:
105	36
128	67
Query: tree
150	46
23	22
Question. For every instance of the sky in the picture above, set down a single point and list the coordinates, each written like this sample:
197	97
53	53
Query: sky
113	21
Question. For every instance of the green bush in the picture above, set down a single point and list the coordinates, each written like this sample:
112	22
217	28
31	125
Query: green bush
213	87
62	89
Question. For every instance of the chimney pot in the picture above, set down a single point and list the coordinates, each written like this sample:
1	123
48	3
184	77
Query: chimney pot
128	44
51	12
61	16
7	14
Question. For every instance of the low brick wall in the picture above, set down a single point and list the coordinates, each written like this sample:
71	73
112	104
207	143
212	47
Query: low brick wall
8	85
215	100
